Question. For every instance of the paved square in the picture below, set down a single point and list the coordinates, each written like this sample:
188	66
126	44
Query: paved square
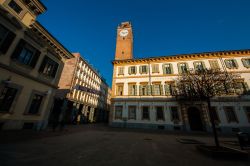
101	145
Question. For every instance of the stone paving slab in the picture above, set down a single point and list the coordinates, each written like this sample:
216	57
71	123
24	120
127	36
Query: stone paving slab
99	145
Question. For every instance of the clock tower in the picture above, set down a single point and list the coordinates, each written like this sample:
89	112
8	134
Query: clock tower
124	42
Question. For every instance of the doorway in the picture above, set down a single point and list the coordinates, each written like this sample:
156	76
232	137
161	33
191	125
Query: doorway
194	117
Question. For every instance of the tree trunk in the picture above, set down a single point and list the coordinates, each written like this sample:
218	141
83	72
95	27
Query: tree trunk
213	123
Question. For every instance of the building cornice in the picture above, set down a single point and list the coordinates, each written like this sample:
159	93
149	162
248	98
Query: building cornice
51	40
205	55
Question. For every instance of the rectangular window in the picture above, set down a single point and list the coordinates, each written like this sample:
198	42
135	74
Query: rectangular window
7	97
35	104
49	67
145	112
118	112
159	113
169	86
144	69
167	68
120	70
214	64
132	89
247	110
246	62
132	112
174	114
157	89
182	68
143	90
231	63
155	68
199	66
119	91
15	6
132	70
230	113
26	54
6	38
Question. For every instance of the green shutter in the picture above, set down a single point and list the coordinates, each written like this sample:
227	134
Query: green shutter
171	67
140	90
167	89
203	65
227	64
246	87
129	90
146	69
187	66
161	89
179	68
140	69
163	68
236	63
129	70
135	90
244	62
149	90
135	69
195	65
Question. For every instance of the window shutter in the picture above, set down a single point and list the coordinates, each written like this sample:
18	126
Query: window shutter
153	89
171	67
227	64
140	69
164	68
149	90
130	89
35	58
203	65
135	69
246	87
45	60
167	89
18	49
54	70
245	64
236	64
187	66
195	65
129	70
7	42
140	90
179	68
146	69
135	90
161	90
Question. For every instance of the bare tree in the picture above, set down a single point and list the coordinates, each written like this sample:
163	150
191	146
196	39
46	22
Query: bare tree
203	85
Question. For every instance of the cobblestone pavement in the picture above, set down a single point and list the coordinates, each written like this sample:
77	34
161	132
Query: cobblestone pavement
96	145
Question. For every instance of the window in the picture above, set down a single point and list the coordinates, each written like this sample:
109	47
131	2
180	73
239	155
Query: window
132	70
167	68
26	54
132	89
7	97
6	38
230	113
214	64
120	70
246	63
35	104
215	114
199	66
182	68
157	89
241	87
119	91
231	63
174	114
144	69
118	112
247	110
131	112
145	90
169	88
159	113
155	68
49	67
145	112
15	7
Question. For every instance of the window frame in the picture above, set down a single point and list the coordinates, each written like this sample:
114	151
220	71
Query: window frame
16	8
173	118
129	112
28	106
229	120
49	61
148	113
115	116
162	111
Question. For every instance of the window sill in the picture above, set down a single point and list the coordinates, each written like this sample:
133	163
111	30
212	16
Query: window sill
16	63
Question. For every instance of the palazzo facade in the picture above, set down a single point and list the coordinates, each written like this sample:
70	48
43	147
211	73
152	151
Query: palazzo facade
142	90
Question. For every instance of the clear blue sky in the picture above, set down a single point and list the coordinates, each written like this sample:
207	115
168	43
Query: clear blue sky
160	27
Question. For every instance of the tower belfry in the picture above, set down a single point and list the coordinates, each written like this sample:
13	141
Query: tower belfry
124	42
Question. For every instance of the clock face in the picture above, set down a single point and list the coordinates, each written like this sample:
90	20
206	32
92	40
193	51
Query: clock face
123	33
